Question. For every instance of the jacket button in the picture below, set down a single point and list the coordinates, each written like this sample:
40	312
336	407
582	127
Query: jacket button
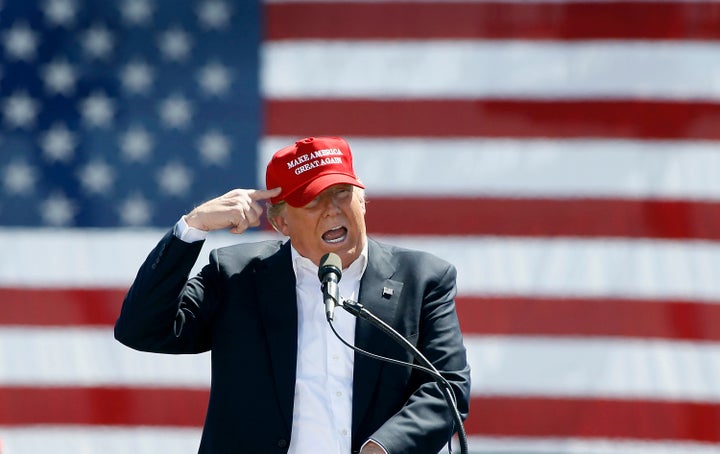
282	443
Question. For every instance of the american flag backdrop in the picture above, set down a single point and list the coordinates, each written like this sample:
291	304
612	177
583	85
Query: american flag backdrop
565	156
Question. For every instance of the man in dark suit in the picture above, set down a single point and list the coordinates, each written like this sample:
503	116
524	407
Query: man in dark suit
281	380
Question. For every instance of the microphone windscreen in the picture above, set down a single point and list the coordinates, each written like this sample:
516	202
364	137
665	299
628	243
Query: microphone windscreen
330	263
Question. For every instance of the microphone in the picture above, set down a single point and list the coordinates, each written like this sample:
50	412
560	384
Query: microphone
329	273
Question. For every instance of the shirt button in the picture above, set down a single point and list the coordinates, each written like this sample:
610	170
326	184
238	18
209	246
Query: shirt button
345	432
282	443
339	394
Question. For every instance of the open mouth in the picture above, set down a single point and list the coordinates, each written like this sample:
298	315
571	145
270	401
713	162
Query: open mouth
335	235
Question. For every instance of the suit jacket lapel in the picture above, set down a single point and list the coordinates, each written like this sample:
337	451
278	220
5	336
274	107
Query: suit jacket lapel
277	302
379	294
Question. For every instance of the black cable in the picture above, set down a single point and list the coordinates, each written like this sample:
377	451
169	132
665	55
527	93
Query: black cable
358	310
398	362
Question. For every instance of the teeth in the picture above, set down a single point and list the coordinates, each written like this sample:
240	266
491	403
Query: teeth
334	240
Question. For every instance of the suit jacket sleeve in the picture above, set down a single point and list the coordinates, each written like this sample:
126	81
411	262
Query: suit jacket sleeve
163	312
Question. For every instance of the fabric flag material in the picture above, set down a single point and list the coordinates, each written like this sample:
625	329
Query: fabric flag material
565	156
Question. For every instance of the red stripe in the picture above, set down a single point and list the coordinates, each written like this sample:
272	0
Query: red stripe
594	418
103	406
509	315
664	219
496	118
493	416
59	307
677	320
501	20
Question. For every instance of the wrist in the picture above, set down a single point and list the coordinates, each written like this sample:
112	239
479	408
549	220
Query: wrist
193	220
372	447
187	233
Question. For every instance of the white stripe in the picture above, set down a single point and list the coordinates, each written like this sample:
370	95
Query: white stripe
486	265
91	357
517	445
583	268
530	168
460	69
96	439
146	440
501	365
85	257
594	367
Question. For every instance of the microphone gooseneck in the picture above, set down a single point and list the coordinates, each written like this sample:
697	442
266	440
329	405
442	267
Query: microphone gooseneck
330	272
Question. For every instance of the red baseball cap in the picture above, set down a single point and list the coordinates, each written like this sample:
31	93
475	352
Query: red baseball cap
309	167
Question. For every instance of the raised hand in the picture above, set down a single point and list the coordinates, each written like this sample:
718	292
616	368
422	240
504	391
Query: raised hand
237	210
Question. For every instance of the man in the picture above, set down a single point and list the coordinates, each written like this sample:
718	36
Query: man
281	380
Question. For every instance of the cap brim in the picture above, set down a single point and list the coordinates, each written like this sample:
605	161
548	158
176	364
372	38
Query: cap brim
304	194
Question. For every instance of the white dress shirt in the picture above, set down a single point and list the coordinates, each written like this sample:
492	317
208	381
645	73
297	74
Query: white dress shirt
322	410
322	416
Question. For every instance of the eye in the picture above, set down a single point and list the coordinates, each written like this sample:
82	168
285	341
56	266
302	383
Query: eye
313	203
343	192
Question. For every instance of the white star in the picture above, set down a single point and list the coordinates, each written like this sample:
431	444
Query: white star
136	144
135	210
20	110
60	12
96	177
136	77
214	79
214	147
214	14
97	109
175	112
59	77
174	179
98	41
20	42
19	178
58	143
136	12
58	210
175	44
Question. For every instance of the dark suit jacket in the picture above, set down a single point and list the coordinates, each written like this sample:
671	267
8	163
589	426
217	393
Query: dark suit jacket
242	307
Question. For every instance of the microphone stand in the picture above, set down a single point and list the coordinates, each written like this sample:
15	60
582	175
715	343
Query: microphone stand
358	310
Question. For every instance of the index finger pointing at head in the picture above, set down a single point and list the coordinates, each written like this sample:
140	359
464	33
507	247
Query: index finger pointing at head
264	194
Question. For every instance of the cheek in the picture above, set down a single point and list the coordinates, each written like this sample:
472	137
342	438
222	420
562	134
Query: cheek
361	209
301	227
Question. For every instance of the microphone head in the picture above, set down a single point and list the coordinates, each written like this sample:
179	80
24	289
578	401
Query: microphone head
330	263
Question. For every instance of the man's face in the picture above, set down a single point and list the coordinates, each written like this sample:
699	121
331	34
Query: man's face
334	221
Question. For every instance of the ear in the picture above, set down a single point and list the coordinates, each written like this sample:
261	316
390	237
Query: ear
281	225
361	199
